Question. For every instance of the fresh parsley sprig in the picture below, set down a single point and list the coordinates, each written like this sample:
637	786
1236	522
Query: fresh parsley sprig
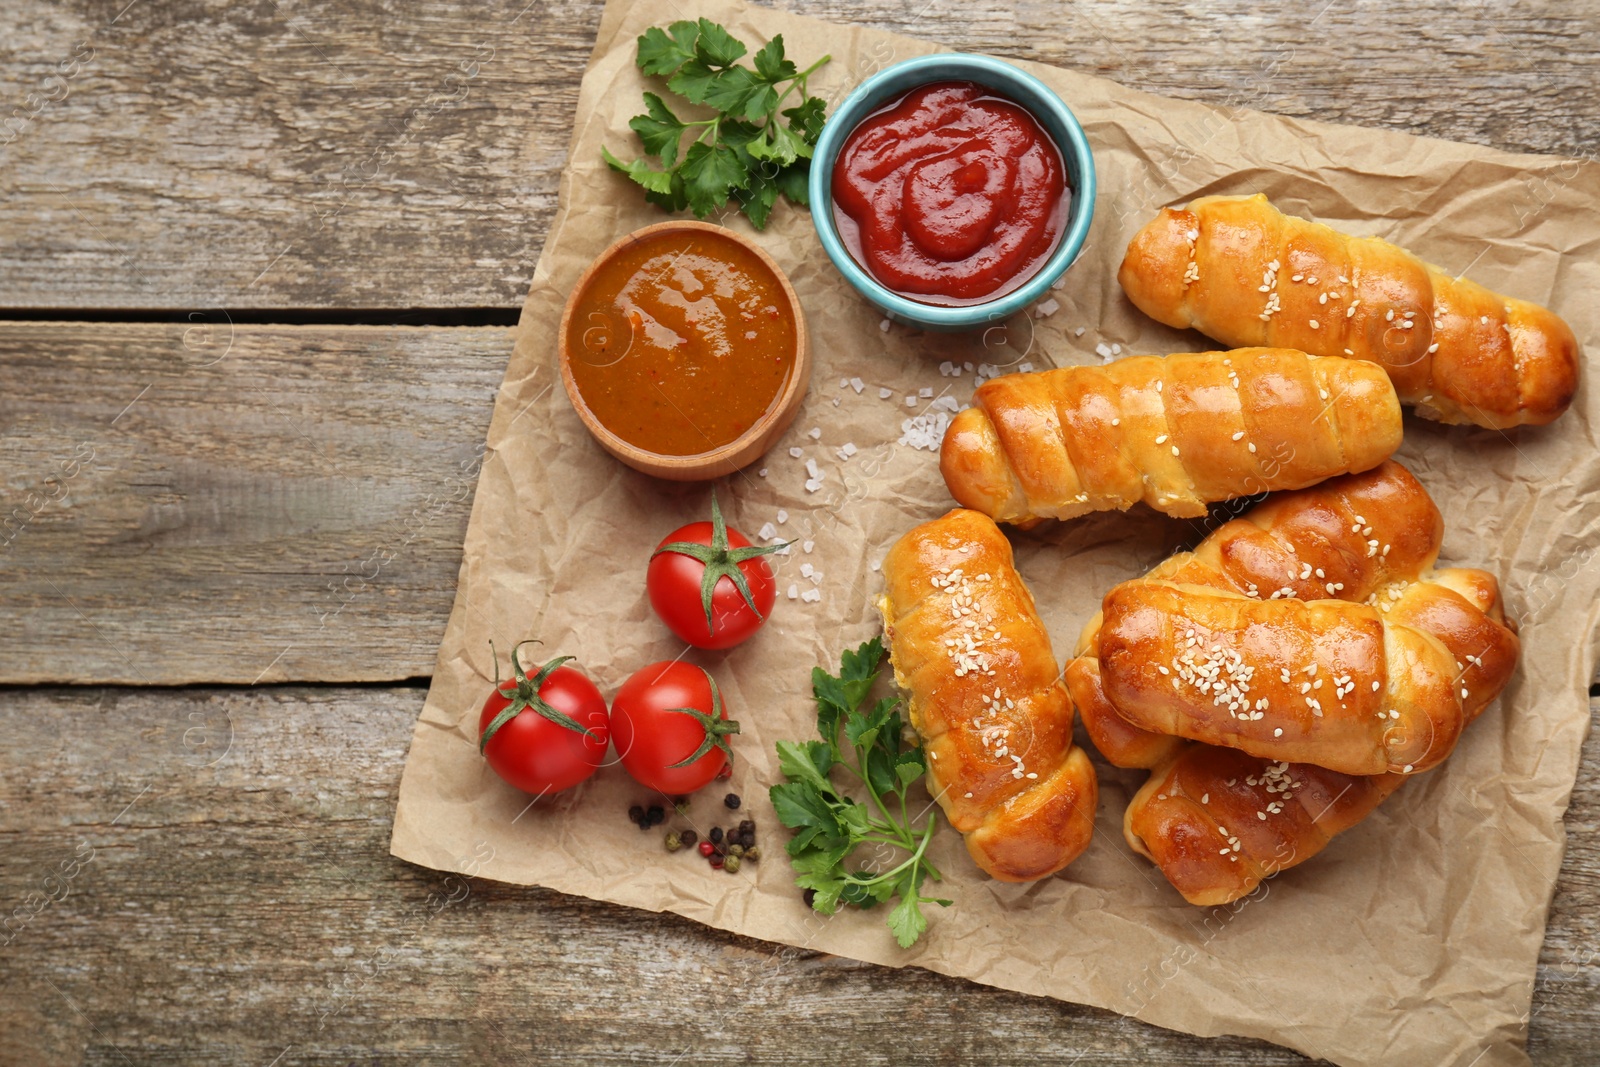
829	825
744	151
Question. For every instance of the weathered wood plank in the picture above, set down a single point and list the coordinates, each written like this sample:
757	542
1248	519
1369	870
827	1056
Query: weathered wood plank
239	900
201	155
206	503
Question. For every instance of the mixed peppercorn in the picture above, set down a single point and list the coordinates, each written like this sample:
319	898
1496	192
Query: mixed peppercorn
725	849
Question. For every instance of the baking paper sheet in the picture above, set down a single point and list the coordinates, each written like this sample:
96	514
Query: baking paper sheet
1413	939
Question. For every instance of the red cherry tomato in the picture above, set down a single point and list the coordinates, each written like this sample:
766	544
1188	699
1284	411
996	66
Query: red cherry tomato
709	584
545	733
670	727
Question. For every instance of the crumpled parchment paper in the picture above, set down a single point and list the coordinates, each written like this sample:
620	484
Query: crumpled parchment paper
1413	939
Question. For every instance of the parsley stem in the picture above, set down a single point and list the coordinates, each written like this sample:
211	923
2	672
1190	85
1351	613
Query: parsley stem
912	860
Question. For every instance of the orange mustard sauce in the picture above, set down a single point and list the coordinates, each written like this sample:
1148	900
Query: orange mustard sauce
681	343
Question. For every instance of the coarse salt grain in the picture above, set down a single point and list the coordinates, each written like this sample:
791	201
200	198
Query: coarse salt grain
924	431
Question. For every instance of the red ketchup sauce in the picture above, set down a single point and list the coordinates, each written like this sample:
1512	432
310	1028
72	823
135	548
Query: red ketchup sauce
950	195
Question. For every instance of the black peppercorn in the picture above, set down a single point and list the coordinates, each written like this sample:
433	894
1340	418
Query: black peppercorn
731	801
748	826
636	814
809	896
716	835
688	837
656	814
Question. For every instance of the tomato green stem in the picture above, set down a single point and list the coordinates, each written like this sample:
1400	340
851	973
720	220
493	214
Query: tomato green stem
523	693
720	562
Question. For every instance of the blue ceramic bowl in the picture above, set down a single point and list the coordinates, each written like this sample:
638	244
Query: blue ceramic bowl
1009	81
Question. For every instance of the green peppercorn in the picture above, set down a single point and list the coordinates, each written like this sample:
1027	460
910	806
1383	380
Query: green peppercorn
735	850
752	854
674	842
730	863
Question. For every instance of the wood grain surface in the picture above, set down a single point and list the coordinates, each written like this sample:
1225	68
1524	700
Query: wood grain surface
204	503
197	154
200	502
223	893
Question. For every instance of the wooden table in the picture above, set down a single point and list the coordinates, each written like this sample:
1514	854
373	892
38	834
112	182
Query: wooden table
259	265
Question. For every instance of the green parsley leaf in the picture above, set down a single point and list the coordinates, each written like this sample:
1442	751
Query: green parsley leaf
745	152
771	65
693	81
807	119
662	53
660	130
758	199
717	46
830	825
806	763
656	181
907	921
795	182
708	174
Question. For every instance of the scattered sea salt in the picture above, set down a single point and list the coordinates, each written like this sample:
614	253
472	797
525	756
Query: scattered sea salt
924	431
767	532
796	452
794	591
783	516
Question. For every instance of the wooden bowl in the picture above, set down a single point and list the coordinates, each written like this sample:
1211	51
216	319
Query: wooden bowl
754	442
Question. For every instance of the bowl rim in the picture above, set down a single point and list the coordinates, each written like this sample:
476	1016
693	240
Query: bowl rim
995	74
724	459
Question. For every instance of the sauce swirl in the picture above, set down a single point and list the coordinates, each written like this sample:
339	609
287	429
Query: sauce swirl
951	194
